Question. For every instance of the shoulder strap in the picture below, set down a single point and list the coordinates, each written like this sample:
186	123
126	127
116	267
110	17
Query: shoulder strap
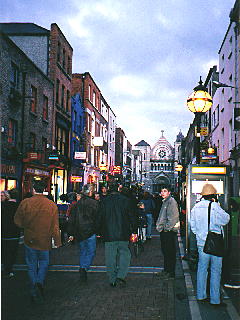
209	211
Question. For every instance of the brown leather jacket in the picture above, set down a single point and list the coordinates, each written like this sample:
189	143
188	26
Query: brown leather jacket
38	216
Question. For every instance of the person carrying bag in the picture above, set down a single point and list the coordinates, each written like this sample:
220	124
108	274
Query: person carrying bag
208	215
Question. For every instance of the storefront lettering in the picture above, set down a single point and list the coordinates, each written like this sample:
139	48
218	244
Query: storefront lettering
8	169
37	172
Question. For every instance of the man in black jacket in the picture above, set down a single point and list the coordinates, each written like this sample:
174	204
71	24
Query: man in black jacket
116	222
82	227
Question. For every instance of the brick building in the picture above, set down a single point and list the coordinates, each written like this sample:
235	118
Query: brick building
27	102
96	127
50	51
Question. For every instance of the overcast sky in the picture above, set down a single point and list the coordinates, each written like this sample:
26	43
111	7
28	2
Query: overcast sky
144	55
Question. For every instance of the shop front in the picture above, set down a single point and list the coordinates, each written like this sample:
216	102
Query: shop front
10	175
31	173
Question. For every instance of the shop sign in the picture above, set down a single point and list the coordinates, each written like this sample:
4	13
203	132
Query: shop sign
117	170
8	169
32	155
37	172
53	157
76	179
204	131
80	155
98	141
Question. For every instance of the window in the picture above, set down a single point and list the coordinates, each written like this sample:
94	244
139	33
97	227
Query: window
62	97
94	98
34	99
62	141
32	142
57	91
12	132
14	76
59	52
69	66
67	101
64	59
89	92
45	108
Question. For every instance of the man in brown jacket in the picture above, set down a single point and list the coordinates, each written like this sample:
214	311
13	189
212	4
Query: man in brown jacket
38	216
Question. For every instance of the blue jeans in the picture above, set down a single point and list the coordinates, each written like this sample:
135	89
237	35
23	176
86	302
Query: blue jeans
87	250
149	225
118	256
202	274
37	262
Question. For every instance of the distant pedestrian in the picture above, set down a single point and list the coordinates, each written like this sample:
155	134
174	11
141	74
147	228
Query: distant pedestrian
149	206
168	225
199	226
4	196
116	223
142	220
82	228
38	216
10	233
103	192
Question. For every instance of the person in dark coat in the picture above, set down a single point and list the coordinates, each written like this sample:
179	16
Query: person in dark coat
116	223
10	232
82	228
149	206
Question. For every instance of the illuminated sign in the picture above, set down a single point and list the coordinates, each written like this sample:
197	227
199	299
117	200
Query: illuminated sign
33	155
117	170
197	186
98	141
76	179
80	155
209	170
53	157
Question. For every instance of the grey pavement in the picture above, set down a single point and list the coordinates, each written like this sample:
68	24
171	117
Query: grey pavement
145	296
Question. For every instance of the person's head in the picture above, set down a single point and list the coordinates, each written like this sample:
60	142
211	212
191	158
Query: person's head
140	205
209	192
78	196
104	190
87	190
165	191
4	196
97	196
14	194
38	186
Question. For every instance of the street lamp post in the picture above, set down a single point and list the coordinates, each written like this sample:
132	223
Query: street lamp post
199	102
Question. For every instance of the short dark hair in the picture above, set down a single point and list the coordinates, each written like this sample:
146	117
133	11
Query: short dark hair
39	186
14	193
166	187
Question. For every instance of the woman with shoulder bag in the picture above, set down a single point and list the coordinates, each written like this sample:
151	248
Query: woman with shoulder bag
207	215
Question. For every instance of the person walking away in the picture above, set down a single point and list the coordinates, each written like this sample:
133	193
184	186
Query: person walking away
115	224
10	232
82	228
142	220
199	226
168	225
149	206
38	216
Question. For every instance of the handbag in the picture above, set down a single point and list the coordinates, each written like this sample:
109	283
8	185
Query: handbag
214	243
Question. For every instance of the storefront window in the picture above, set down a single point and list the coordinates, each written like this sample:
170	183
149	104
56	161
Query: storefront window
2	185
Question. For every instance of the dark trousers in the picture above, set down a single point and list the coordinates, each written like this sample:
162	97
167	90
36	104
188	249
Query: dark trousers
9	254
168	246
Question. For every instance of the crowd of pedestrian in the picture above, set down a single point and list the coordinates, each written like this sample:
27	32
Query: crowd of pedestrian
113	214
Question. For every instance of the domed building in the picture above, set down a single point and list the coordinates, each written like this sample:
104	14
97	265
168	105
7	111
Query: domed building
158	163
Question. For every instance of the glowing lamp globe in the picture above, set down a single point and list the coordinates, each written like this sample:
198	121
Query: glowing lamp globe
200	100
